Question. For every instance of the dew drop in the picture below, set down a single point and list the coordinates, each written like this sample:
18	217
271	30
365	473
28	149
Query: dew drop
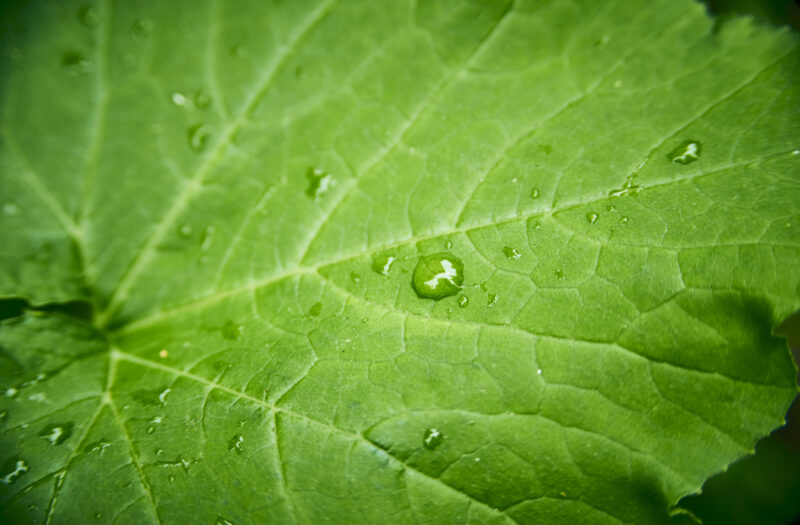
687	152
222	520
198	137
151	429
185	231
627	189
623	220
231	330
11	392
75	63
559	273
142	27
319	182
10	208
355	277
463	301
97	446
592	217
14	468
382	263
57	433
179	99
432	438
87	15
535	193
202	99
98	516
315	310
235	444
511	253
448	244
3	415
491	299
207	238
162	397
438	276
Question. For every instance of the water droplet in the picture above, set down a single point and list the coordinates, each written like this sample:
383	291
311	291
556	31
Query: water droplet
491	299
162	397
448	244
98	515
151	429
438	276
87	15
315	310
185	231
142	27
11	392
382	263
592	217
202	99
231	330
355	277
628	188
235	444
623	220
222	521
796	152
10	209
75	63
539	372
687	151
319	182
511	253
239	51
535	193
559	273
57	433
207	238
179	99
3	415
463	301
432	438
163	353
97	446
198	136
14	468
612	209
602	41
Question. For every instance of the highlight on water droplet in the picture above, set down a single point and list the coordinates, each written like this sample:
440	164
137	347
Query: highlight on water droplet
382	263
463	301
87	15
432	438
198	136
13	468
511	253
535	193
179	99
319	182
57	433
629	188
687	151
592	217
438	276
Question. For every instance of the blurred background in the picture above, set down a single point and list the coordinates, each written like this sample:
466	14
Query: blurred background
762	489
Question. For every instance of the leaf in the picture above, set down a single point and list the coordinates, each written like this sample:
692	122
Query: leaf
397	262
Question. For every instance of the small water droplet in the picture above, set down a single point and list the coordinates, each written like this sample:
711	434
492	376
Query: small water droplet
535	193
623	220
75	63
198	136
463	301
612	209
231	330
315	310
142	27
10	208
207	238
319	182
629	188
87	15
592	217
11	392
179	99
559	273
57	433
235	444
602	41
796	152
382	263
14	468
3	415
151	429
511	253
97	446
222	521
539	372
202	99
687	151
491	299
239	51
162	397
355	277
432	438
448	244
438	276
185	231
98	515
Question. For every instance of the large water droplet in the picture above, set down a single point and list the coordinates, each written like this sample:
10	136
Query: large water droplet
438	276
231	330
198	136
511	253
57	433
592	217
687	151
87	15
13	468
432	438
382	263
319	182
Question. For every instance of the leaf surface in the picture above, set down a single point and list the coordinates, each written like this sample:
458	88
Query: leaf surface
402	262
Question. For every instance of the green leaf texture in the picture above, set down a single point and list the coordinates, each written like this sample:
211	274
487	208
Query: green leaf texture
390	262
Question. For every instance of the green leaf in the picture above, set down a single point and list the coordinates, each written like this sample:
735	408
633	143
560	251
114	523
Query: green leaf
390	262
